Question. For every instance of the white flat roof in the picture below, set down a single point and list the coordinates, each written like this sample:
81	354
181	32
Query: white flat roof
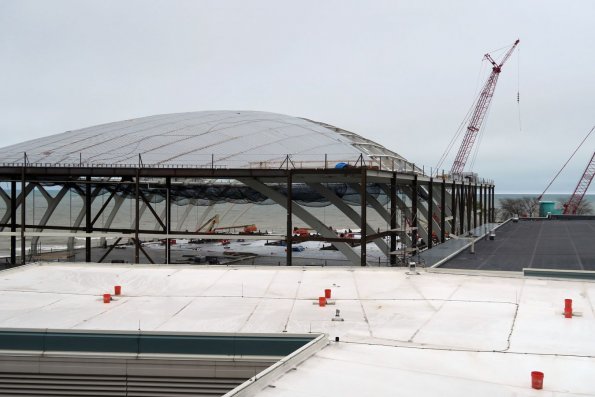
436	332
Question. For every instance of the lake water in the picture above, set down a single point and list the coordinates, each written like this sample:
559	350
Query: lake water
271	218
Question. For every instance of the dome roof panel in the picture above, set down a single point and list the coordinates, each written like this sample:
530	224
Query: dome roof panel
235	139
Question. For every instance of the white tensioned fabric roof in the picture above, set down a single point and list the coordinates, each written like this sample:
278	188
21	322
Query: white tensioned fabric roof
223	139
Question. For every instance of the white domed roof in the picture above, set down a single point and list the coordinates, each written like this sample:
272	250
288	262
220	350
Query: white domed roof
231	139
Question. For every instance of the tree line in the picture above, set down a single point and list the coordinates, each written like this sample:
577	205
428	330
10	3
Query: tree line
529	207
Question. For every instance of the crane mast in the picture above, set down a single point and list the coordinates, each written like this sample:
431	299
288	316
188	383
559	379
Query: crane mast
479	113
572	204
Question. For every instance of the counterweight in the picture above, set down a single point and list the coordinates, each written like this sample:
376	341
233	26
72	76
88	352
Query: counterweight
479	113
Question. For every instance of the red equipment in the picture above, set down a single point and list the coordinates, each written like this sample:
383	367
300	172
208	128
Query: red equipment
572	204
566	163
481	109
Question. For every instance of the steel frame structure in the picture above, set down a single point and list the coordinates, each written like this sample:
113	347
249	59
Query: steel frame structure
471	204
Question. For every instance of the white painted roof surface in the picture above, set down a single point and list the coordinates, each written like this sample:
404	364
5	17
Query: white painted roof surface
231	139
434	333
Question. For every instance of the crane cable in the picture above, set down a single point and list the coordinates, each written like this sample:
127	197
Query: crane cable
566	163
479	139
518	87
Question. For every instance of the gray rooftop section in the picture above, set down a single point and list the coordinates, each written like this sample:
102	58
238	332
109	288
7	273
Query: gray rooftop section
542	243
222	139
442	252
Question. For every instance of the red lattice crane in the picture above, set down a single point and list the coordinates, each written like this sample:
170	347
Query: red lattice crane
572	204
481	109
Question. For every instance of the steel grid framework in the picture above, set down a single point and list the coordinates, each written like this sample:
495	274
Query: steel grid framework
434	209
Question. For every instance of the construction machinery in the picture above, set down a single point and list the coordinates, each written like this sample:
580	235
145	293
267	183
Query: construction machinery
572	205
478	115
247	229
209	226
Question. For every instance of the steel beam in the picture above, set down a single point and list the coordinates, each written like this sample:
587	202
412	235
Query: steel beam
109	250
139	246
480	192
88	224
136	217
405	239
468	204
475	205
23	215
80	217
304	215
168	218
150	207
414	222
493	208
431	213
19	199
453	198
363	193
13	222
52	204
443	211
462	208
350	212
289	230
393	218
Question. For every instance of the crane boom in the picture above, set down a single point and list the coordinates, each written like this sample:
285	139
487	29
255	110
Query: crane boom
572	204
479	113
209	225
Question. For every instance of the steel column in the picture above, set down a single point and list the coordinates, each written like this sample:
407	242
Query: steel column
88	224
474	205
414	212
443	211
493	209
289	236
489	204
363	220
136	217
352	214
485	204
81	215
469	204
462	208
168	218
489	201
393	218
23	214
453	199
431	213
52	204
480	205
304	215
13	222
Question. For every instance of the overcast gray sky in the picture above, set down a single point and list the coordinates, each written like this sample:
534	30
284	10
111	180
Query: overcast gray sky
403	73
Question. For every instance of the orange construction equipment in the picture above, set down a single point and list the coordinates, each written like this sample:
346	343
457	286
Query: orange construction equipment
209	226
301	231
250	229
